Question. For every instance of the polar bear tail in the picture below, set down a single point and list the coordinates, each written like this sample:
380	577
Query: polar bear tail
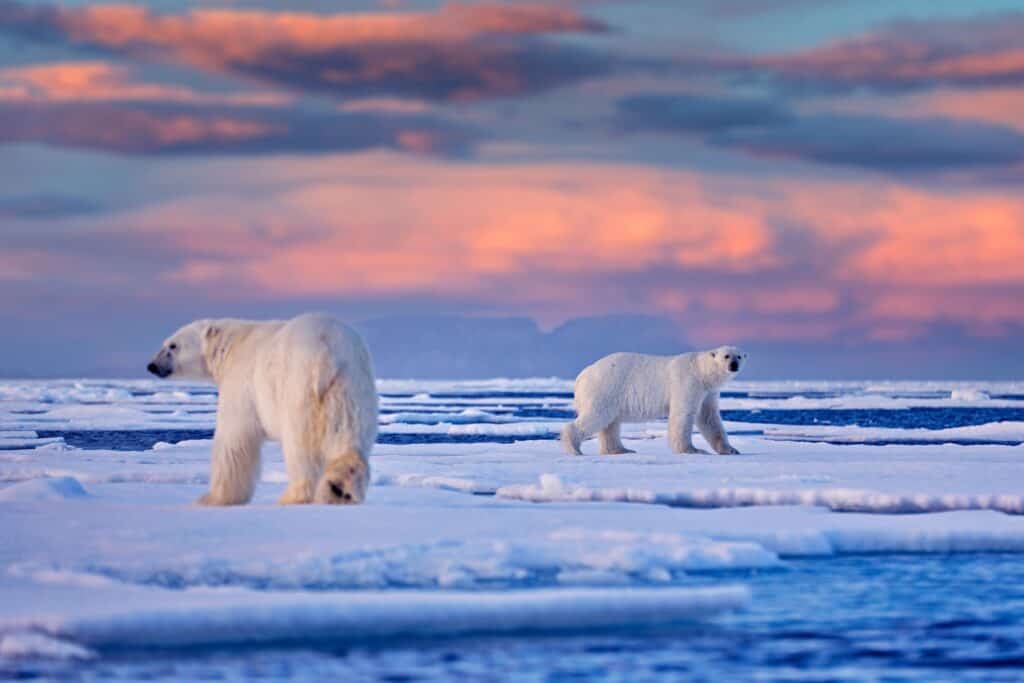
571	439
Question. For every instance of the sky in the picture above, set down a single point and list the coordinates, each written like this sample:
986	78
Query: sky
835	186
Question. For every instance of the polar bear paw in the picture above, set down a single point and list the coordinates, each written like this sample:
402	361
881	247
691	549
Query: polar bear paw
344	482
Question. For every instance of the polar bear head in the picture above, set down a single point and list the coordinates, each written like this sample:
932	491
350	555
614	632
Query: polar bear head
183	354
723	363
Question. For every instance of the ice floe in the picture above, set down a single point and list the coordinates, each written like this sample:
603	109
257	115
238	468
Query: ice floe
465	538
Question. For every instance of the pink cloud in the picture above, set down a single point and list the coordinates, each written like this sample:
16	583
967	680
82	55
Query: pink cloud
982	51
563	239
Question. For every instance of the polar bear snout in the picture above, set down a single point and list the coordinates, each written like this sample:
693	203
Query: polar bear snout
159	367
734	366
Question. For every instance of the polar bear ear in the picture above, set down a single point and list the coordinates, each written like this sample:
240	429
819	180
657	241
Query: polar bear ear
714	354
211	338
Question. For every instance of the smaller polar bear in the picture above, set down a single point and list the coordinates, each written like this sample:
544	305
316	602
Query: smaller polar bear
633	387
307	383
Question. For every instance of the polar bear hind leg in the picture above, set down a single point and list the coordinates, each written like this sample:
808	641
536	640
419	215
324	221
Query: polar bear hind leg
344	446
344	480
579	430
611	440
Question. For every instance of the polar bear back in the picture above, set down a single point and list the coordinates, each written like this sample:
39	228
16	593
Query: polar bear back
631	386
308	359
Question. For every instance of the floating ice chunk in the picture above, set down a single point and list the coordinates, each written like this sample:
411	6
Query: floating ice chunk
29	644
551	489
18	443
968	395
1006	431
468	387
467	416
187	443
232	616
47	488
451	429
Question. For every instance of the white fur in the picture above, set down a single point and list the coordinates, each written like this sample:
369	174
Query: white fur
307	383
633	387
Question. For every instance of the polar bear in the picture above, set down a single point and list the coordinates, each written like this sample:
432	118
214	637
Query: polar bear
632	387
307	383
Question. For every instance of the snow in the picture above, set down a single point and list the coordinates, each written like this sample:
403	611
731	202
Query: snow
105	549
48	488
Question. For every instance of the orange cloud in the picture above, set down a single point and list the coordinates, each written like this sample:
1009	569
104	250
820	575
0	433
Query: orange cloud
995	105
562	239
90	81
391	228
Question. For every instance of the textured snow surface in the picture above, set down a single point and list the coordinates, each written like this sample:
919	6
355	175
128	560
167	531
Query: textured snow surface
104	549
234	616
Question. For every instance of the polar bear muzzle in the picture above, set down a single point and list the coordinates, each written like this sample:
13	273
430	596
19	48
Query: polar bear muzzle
161	365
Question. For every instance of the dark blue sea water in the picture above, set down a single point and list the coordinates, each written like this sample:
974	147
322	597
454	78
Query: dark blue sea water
868	618
907	418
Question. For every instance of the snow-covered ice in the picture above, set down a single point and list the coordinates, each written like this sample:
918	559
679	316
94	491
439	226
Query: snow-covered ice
103	549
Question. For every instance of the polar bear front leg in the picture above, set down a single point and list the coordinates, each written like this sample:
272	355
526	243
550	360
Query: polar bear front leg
682	414
709	421
611	440
234	467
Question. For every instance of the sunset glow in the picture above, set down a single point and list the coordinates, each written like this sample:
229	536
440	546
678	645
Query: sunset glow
538	159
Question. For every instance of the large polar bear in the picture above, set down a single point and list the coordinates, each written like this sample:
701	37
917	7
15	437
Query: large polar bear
633	387
307	383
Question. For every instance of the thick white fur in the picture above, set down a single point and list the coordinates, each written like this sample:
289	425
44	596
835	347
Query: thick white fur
633	387
307	383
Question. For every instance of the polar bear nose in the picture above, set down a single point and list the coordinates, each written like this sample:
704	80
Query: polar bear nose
152	368
734	366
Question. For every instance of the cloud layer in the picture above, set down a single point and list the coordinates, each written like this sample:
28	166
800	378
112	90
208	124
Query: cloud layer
175	129
909	55
749	260
460	52
768	129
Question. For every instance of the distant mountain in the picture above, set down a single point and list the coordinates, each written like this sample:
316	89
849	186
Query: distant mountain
457	347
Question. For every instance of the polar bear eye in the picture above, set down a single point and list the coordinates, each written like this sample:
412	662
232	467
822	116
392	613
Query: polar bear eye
173	347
